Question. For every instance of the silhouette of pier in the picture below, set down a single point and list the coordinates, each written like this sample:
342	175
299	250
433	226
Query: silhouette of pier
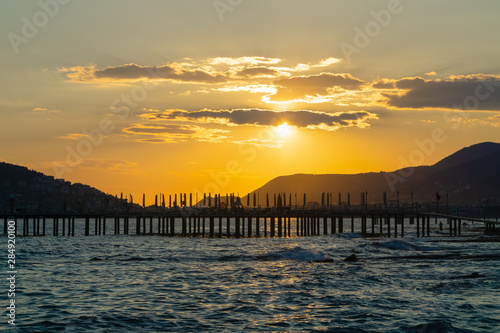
239	222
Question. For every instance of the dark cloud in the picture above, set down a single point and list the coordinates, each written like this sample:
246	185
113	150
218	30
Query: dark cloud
384	85
160	129
473	92
258	117
313	86
135	72
154	140
257	71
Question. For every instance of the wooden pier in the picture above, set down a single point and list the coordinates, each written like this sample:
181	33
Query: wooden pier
202	222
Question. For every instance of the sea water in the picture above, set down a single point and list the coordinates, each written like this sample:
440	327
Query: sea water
128	283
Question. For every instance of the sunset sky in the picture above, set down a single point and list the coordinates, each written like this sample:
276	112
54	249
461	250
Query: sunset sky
222	96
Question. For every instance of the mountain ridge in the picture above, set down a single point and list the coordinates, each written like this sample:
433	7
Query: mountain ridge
470	175
468	153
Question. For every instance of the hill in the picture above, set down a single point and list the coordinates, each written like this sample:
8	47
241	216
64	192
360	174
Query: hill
469	176
25	190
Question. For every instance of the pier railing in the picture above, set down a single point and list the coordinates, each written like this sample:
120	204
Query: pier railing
202	222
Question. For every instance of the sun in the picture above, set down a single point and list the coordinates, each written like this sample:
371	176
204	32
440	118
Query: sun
284	130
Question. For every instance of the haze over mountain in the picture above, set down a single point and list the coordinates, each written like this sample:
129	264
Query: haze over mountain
470	175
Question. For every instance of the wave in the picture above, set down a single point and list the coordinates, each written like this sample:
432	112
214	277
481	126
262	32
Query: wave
454	287
398	245
433	327
122	259
349	235
296	253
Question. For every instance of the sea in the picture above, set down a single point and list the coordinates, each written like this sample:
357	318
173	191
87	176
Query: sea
152	283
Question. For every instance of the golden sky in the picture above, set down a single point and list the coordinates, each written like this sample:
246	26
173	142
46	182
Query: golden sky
224	95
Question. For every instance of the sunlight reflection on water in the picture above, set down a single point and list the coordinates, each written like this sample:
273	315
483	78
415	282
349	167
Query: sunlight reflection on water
151	283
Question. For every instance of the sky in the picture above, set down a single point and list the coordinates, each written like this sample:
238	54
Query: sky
222	96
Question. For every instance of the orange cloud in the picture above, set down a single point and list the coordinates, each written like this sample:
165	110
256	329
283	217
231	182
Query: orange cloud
308	88
44	110
173	133
116	166
261	143
258	117
73	136
243	60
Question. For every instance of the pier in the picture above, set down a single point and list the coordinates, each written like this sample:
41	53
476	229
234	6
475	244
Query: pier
238	223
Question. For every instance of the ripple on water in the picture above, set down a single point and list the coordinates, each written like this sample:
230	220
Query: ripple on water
151	284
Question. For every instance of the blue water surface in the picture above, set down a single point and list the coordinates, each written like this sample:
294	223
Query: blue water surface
119	283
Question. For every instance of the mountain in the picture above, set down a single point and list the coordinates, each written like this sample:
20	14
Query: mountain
468	154
469	176
24	190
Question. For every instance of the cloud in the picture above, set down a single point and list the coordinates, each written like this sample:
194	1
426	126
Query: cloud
173	133
257	71
384	84
243	61
211	70
257	117
159	129
469	92
306	88
116	166
261	143
327	62
111	165
73	136
253	88
133	72
493	121
44	110
307	67
234	72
